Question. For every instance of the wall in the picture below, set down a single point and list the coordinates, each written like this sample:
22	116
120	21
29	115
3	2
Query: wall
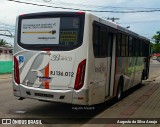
6	63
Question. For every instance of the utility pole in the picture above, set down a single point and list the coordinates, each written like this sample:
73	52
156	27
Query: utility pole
113	19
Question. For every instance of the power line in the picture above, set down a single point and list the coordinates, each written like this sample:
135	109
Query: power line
99	6
7	27
138	22
6	30
147	34
1	23
77	9
92	6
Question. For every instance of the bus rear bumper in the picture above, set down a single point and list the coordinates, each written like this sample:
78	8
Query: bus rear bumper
64	96
80	97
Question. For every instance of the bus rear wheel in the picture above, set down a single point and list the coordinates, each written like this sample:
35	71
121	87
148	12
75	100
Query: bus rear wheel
119	94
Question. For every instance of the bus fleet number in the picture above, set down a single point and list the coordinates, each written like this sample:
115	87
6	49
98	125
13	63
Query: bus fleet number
61	73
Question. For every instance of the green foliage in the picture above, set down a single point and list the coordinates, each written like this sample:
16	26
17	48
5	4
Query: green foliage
3	42
155	47
156	37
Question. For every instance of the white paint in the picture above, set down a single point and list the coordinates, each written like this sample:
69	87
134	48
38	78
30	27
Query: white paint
5	57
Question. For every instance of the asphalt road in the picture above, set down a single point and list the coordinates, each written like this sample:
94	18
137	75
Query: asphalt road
11	107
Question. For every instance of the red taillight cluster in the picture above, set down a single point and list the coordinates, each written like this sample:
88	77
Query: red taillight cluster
80	13
80	75
16	71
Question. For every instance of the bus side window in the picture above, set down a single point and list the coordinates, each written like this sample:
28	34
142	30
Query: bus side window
127	47
133	46
109	44
146	49
96	40
143	45
119	44
130	46
137	47
99	41
123	44
102	42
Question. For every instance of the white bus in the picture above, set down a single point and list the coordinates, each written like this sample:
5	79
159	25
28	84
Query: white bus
76	58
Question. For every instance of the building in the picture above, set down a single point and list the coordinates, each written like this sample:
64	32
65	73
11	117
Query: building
6	62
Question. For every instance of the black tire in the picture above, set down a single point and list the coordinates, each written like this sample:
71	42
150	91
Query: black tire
141	79
119	95
143	75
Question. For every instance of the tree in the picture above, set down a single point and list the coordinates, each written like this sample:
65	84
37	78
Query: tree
156	37
3	42
156	43
155	47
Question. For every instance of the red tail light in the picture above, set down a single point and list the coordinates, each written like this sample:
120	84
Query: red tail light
80	75
80	13
16	71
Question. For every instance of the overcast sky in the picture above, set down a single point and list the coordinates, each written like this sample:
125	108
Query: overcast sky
146	23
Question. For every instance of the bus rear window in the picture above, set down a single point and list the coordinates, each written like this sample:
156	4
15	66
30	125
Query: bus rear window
53	32
69	31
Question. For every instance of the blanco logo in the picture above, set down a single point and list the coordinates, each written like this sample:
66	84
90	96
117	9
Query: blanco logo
6	121
58	57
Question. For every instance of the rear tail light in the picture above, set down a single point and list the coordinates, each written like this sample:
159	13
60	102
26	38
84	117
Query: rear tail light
80	75
16	71
80	12
46	49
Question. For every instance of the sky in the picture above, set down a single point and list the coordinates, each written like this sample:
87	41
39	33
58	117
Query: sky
143	23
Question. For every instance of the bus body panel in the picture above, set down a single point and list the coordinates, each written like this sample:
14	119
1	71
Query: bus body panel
50	74
131	69
33	71
32	84
99	70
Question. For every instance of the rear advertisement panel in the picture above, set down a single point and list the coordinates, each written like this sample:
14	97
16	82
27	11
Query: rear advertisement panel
40	31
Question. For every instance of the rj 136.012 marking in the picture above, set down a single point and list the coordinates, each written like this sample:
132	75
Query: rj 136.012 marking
61	73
